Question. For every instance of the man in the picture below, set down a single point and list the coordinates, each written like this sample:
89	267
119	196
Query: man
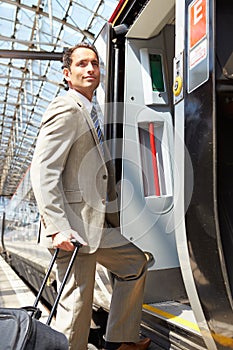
74	188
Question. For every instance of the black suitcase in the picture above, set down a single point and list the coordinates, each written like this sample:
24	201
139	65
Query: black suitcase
20	329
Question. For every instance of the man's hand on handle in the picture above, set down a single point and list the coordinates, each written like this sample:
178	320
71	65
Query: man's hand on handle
63	242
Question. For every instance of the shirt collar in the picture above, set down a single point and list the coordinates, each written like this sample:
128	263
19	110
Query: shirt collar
84	100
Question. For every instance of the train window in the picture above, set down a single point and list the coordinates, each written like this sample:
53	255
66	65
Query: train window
156	73
153	76
155	159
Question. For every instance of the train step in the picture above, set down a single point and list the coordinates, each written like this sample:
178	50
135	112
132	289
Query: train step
172	325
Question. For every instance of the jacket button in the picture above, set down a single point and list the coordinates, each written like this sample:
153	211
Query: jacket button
103	201
104	176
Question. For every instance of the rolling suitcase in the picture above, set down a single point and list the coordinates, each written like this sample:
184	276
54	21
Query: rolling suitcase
20	329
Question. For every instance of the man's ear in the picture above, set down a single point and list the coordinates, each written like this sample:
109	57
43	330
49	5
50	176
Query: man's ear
66	73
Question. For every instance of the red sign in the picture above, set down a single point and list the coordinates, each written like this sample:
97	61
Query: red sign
197	22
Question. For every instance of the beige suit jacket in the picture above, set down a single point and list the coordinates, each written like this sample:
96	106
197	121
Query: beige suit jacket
71	179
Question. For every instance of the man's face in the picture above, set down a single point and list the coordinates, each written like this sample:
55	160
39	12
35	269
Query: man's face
84	73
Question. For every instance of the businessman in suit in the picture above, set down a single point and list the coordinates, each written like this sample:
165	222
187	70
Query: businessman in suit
74	185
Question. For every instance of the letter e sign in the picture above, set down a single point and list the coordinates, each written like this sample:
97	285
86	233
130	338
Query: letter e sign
197	22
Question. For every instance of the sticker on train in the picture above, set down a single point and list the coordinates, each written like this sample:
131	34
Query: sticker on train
198	66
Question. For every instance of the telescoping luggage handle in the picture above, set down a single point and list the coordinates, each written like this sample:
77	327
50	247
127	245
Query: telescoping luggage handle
77	247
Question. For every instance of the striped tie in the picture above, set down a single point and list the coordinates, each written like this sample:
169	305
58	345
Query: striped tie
95	120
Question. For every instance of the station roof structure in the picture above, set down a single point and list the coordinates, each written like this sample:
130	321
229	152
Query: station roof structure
33	36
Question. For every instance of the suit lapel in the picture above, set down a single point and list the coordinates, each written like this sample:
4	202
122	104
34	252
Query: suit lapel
87	115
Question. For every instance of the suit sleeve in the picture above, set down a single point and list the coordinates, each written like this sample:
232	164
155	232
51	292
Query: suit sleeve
58	133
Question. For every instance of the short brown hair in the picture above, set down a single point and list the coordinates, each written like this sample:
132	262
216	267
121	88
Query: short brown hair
67	60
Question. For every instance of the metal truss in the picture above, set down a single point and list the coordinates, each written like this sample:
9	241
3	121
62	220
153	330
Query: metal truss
33	36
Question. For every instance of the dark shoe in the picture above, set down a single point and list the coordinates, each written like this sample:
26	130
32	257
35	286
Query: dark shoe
143	344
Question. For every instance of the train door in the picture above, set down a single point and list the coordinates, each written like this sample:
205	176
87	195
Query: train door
148	170
147	161
139	62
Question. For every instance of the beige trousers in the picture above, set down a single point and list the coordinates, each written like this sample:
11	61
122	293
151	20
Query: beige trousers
128	264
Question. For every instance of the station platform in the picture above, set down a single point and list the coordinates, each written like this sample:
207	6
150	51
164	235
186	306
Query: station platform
14	293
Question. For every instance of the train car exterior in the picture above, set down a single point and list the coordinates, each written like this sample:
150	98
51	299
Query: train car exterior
166	99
